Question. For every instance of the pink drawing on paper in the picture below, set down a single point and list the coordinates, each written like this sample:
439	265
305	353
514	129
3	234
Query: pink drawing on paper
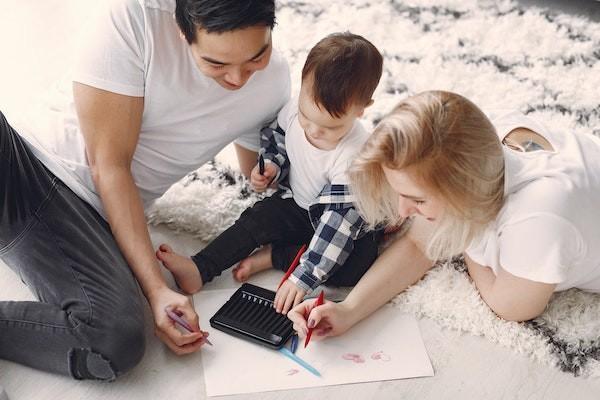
292	371
381	356
356	358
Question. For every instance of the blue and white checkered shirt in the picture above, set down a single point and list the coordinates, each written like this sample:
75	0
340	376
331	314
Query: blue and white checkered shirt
336	222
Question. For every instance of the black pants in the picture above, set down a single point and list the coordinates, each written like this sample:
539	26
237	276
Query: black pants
286	226
88	322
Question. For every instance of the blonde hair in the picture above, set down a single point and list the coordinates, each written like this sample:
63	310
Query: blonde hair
449	146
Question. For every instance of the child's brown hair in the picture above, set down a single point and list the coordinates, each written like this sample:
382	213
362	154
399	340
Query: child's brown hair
345	69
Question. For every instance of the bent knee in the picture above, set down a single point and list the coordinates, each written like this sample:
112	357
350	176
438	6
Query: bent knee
115	348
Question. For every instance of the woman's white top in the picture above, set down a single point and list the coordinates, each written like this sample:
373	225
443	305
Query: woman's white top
549	227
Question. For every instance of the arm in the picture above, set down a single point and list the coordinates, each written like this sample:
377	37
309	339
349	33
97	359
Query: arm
272	143
329	247
246	159
510	297
110	124
400	266
338	226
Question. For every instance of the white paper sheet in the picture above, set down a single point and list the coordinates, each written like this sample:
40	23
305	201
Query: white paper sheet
385	346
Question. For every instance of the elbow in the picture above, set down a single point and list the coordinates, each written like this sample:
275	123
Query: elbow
104	173
516	313
94	173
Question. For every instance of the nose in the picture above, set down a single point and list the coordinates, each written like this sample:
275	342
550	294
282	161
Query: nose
237	76
406	207
314	131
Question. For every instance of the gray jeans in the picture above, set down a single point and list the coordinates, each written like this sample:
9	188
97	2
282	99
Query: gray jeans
88	322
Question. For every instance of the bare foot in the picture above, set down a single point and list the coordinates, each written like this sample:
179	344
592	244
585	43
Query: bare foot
184	270
259	261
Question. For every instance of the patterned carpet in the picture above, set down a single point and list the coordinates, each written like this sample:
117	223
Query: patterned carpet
495	53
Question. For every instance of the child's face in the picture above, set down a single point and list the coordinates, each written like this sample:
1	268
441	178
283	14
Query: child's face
323	130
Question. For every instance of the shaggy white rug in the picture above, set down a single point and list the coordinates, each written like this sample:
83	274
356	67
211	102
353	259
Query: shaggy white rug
496	54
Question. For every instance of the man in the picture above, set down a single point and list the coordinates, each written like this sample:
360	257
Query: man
162	87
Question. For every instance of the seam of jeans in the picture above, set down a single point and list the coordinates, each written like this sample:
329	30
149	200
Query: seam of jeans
34	220
89	302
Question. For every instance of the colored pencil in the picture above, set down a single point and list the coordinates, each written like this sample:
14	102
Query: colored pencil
319	302
300	361
293	265
183	323
261	165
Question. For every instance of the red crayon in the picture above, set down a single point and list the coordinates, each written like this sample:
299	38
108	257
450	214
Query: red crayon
318	303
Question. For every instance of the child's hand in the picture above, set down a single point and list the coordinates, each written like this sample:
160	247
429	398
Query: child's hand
261	182
287	296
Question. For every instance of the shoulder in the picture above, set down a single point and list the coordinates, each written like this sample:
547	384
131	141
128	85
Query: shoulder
279	65
288	114
130	8
347	151
127	17
355	139
271	86
275	78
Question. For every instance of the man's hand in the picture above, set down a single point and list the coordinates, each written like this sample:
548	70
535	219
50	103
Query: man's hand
261	182
180	343
287	296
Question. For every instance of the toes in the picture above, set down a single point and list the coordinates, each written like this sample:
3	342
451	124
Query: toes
239	274
165	248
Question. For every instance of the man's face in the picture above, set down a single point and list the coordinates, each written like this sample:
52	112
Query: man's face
230	58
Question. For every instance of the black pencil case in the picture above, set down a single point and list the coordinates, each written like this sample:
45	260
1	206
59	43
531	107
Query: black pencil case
249	314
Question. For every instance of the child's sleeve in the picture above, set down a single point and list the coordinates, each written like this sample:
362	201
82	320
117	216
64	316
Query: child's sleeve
272	142
272	148
333	241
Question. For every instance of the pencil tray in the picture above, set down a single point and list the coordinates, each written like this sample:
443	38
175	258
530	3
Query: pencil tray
249	314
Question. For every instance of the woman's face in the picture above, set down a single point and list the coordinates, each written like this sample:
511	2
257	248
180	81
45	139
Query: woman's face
413	198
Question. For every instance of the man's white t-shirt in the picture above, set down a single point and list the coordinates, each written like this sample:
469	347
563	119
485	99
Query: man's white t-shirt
134	48
311	168
549	227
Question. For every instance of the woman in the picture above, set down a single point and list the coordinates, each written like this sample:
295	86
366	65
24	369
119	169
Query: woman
517	200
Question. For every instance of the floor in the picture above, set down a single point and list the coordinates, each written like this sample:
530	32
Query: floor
466	367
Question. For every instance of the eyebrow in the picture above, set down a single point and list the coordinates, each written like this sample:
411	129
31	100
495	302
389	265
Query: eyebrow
260	53
408	196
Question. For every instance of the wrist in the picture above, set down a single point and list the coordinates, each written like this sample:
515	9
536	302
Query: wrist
154	290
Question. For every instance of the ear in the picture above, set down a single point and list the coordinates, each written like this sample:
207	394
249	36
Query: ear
361	110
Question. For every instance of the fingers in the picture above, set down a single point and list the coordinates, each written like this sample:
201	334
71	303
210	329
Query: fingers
190	316
270	170
183	348
322	333
289	301
280	297
259	184
297	316
298	298
315	315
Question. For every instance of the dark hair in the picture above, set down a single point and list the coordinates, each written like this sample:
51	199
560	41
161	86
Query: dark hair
217	16
345	70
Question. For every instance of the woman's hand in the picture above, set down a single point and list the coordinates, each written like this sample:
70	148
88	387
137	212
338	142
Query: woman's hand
329	319
180	343
259	182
